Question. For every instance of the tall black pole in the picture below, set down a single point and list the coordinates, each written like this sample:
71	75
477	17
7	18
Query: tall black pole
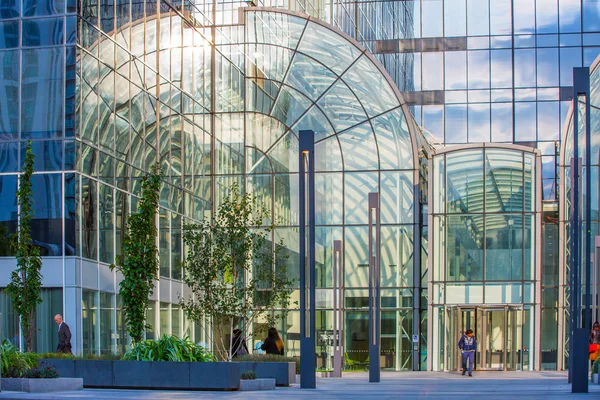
585	75
374	289
308	357
578	365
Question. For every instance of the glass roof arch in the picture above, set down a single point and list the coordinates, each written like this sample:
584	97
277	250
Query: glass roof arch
339	88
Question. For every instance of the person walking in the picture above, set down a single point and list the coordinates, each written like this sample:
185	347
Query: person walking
64	335
273	343
594	346
238	346
468	346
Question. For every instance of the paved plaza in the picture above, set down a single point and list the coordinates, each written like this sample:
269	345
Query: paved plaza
400	385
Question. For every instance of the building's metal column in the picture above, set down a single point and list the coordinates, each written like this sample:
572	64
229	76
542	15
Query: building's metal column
579	366
338	306
306	156
374	289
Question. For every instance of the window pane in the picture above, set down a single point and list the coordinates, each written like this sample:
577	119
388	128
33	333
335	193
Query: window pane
500	17
546	16
433	71
569	16
479	69
464	251
456	124
479	123
525	120
9	34
464	181
525	68
46	224
43	7
547	67
43	32
455	18
432	18
456	70
9	94
8	212
502	122
501	68
524	17
478	17
42	93
503	181
591	15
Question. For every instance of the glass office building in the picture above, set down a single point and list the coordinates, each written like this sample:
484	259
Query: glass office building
450	109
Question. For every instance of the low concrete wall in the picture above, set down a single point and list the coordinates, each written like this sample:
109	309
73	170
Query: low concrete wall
151	374
41	384
257	384
284	373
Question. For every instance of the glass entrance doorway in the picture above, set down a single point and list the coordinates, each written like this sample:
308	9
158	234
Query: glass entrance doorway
498	331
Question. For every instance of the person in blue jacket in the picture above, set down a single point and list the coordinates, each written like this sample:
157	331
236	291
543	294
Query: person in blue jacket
468	346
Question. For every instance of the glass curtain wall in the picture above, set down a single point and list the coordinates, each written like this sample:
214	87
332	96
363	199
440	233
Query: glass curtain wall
485	264
291	74
592	198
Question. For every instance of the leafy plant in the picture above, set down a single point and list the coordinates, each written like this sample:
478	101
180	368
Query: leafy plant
139	260
234	270
269	358
14	364
26	280
44	370
248	375
168	348
595	366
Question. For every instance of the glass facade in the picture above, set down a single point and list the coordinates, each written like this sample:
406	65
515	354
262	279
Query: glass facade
216	92
591	199
486	266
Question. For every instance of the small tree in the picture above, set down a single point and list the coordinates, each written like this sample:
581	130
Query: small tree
139	260
233	271
26	280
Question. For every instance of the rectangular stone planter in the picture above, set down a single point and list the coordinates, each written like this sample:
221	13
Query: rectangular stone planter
284	373
257	384
151	374
41	385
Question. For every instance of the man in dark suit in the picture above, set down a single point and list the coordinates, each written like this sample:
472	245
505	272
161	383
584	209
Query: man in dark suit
64	335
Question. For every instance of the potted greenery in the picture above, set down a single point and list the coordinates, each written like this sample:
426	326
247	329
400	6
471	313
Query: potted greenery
21	372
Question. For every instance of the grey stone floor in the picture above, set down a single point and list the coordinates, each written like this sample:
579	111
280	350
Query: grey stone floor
399	385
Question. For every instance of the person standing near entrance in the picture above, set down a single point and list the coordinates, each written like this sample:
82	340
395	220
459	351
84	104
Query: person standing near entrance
64	335
468	346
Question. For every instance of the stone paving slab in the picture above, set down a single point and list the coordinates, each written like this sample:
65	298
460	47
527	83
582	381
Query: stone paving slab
355	386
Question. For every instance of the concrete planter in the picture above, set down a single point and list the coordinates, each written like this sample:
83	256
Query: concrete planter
284	373
40	385
594	378
257	384
151	374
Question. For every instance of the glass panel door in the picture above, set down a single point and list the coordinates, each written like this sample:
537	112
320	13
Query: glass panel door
512	339
495	339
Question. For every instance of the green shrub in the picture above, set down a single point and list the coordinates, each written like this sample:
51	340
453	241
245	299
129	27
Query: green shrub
44	370
168	348
270	358
595	366
248	375
14	363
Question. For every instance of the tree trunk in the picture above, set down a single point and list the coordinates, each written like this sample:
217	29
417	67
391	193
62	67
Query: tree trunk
229	355
29	335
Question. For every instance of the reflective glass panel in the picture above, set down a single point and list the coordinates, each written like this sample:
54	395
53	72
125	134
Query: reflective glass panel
464	181
504	247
